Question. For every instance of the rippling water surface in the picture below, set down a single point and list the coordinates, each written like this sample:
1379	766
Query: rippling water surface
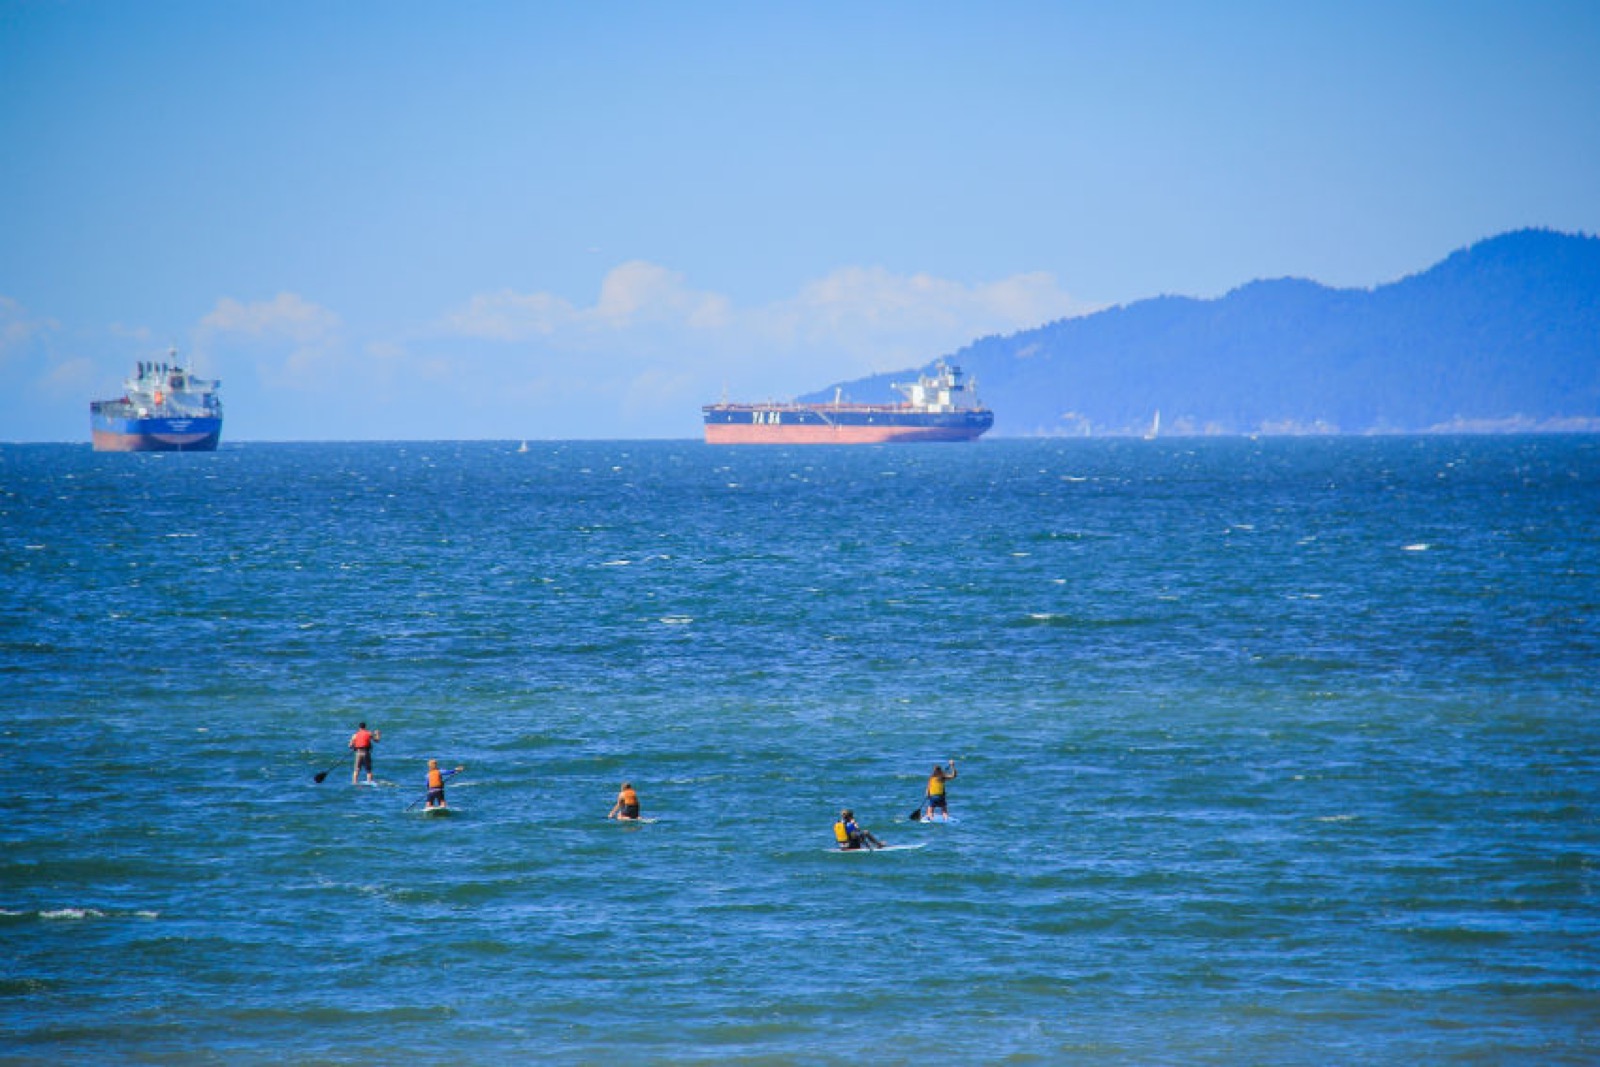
1281	751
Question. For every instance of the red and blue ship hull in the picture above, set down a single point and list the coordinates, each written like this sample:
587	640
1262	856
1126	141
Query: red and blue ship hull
816	424
114	433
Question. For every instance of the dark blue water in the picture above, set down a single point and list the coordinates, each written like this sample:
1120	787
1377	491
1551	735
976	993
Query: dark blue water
1283	751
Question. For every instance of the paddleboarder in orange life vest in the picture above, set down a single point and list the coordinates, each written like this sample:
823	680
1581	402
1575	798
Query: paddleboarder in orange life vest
361	743
627	805
436	780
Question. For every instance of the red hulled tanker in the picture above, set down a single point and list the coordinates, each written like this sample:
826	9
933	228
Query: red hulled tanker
938	407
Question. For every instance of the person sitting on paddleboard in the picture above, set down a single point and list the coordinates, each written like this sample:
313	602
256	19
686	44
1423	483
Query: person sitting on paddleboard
436	780
850	834
936	797
627	805
361	743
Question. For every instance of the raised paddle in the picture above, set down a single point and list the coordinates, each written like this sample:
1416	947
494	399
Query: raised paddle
916	816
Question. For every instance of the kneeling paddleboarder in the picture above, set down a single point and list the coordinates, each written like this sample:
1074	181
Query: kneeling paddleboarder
627	805
849	833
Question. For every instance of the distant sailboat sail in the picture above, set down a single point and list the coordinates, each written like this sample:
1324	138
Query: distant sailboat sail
1155	427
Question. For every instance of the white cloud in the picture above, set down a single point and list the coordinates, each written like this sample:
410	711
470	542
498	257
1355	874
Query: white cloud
635	295
854	321
867	309
297	341
656	389
285	315
72	378
509	316
141	334
636	359
17	327
386	351
639	293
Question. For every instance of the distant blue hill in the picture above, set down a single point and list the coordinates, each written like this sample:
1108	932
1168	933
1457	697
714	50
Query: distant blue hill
1501	336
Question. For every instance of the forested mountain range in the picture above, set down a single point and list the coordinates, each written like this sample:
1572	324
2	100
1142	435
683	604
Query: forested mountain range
1501	336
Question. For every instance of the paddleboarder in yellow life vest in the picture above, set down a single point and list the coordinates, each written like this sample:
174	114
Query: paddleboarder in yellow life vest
936	798
849	834
436	780
361	743
627	805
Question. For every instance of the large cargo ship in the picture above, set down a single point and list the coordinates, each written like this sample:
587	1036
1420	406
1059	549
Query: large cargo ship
937	407
164	408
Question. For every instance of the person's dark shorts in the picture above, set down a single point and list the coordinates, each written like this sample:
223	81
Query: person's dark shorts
938	803
630	811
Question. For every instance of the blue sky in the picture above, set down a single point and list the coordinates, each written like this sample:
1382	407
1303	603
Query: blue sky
405	220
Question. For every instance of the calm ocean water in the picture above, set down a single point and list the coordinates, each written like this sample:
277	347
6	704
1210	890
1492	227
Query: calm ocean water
1278	751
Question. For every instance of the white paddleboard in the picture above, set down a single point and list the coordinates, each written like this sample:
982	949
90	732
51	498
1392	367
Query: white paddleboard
885	848
635	822
442	809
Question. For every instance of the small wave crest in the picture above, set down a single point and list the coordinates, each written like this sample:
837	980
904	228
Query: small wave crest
1077	622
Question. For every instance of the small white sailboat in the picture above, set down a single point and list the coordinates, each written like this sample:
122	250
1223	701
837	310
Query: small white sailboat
524	447
1155	427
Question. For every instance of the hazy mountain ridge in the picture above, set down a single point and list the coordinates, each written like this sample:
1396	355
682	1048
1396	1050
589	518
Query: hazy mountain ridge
1503	335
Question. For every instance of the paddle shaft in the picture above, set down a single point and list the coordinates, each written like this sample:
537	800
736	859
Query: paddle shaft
320	777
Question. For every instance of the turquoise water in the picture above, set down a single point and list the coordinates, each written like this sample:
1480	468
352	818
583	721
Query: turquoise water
1277	751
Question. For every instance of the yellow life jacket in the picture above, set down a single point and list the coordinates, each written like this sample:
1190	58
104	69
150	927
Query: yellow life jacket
841	833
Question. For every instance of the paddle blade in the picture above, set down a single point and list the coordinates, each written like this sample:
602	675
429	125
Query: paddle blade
320	775
916	816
